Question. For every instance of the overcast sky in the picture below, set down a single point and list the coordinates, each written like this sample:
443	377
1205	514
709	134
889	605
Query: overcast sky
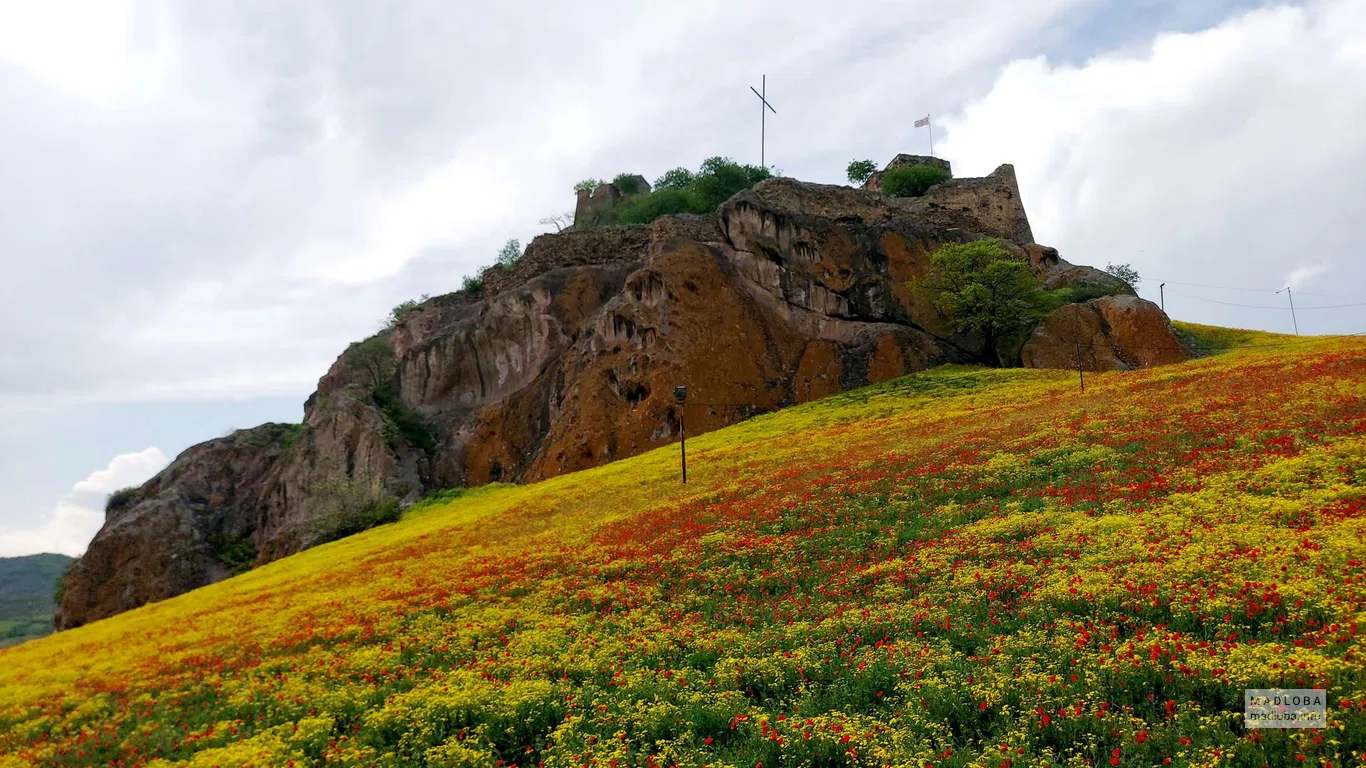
201	204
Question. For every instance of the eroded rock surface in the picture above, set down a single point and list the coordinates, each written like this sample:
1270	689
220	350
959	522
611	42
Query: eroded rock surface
1113	333
567	359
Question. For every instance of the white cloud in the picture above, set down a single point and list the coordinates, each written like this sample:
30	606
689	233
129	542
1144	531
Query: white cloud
226	195
123	470
1218	158
1303	275
79	514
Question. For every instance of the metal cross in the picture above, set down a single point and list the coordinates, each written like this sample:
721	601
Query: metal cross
762	115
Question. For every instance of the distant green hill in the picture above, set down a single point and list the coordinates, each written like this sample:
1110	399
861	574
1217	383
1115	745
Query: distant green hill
26	587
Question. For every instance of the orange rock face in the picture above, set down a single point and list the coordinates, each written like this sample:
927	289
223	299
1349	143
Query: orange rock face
1114	333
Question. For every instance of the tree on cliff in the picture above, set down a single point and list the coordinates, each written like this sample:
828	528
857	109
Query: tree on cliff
560	221
985	291
1124	272
682	191
510	253
860	170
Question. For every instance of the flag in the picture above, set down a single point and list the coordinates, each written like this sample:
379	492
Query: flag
922	122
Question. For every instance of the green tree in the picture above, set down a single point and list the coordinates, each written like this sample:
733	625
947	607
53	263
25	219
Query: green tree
678	178
682	191
860	170
914	181
985	291
588	184
510	253
472	283
627	183
1124	272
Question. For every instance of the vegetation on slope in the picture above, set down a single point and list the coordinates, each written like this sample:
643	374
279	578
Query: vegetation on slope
682	191
27	585
963	567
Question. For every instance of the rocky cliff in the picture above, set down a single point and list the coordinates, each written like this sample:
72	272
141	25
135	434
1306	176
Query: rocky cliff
789	292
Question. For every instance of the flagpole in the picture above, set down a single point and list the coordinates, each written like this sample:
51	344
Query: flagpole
930	125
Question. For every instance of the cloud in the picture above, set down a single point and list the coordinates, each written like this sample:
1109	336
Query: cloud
205	201
123	470
79	514
1216	158
1301	276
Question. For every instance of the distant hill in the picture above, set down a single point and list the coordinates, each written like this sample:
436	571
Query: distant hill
26	586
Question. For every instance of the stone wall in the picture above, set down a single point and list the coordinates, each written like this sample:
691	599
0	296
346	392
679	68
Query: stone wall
989	204
595	208
590	247
874	182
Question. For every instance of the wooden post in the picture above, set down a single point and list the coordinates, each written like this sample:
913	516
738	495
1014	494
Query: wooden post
681	395
1081	376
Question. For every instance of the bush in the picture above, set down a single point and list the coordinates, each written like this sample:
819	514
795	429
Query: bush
401	423
588	184
120	499
402	309
472	284
510	253
678	178
647	208
860	170
237	555
914	181
682	191
349	505
627	183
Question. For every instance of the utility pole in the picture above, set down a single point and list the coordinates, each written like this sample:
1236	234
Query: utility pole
681	395
1292	309
763	102
1162	295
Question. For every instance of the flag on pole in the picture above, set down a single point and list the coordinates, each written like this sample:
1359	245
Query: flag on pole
922	122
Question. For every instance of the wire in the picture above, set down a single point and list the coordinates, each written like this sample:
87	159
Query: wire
1330	296
1263	306
1225	287
1227	303
1266	290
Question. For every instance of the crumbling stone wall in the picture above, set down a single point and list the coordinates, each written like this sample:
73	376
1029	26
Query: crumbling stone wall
874	182
595	208
990	204
590	247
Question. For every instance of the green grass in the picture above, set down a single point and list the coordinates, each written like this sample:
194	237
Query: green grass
1205	340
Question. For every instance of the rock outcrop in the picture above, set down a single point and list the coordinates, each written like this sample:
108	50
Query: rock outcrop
1112	333
567	359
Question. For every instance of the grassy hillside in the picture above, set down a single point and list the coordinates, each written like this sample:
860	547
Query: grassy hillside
964	567
26	586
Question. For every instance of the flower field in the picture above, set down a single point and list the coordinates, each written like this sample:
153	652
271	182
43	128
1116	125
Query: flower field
966	567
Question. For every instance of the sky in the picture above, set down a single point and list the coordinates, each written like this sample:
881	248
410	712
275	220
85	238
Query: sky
201	204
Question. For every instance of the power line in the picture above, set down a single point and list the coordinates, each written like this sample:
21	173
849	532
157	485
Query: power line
1269	290
1262	306
1225	287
